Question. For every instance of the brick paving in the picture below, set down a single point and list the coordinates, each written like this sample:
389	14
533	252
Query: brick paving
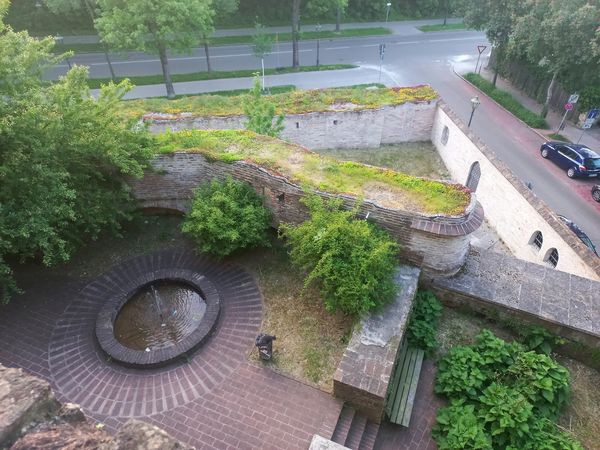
215	400
418	435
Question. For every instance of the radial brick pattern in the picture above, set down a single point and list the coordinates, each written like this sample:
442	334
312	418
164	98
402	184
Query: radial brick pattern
83	375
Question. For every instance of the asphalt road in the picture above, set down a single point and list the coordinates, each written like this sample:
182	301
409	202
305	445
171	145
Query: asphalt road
410	58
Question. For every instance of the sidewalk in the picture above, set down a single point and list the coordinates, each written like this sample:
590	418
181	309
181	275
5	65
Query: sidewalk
590	138
402	28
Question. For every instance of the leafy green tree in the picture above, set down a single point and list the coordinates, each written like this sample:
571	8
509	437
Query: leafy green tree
64	157
59	7
155	26
497	18
227	216
222	9
262	118
351	260
320	8
558	36
262	44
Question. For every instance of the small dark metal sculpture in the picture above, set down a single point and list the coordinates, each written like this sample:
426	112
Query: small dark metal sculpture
264	342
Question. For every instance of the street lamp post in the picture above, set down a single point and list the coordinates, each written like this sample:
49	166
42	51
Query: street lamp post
474	104
318	28
387	13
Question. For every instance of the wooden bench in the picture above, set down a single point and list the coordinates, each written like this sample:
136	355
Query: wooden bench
403	385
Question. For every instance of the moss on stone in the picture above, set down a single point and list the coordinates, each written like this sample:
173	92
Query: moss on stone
385	187
294	102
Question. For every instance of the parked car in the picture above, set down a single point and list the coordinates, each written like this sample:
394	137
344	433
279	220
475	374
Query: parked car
579	233
577	160
596	192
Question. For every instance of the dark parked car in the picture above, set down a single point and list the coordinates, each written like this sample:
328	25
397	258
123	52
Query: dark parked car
596	192
579	233
577	160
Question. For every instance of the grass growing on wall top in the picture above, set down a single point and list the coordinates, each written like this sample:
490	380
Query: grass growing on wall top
386	187
294	102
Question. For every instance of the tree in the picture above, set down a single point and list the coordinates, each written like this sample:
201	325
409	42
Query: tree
89	6
351	260
497	18
295	33
154	26
227	216
64	156
261	113
222	9
262	44
318	8
557	36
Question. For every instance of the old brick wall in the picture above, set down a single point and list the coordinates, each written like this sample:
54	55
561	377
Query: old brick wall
512	209
438	244
336	129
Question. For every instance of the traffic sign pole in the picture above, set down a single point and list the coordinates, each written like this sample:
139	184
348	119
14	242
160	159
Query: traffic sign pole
480	49
568	107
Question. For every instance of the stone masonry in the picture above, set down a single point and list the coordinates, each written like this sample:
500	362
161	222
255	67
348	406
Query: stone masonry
363	375
439	244
332	129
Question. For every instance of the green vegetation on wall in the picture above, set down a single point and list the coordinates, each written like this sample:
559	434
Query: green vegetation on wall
295	102
352	261
422	328
320	172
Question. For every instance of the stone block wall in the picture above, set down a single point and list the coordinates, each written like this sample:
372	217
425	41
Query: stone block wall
438	244
335	129
512	209
363	375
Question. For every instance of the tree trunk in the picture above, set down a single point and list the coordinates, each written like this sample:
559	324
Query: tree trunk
497	61
206	52
295	33
164	62
544	112
262	64
446	12
92	14
338	19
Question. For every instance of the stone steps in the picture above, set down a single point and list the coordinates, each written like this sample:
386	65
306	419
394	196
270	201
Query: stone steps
354	431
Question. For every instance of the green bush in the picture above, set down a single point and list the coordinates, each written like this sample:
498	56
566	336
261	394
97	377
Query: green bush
351	260
505	391
422	328
508	101
539	339
226	216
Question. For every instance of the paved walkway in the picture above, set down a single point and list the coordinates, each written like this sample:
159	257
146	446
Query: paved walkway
590	137
216	400
402	28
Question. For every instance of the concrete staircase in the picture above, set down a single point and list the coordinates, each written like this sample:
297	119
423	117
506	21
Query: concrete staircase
354	431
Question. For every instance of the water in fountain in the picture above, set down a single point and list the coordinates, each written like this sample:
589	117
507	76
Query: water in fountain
180	309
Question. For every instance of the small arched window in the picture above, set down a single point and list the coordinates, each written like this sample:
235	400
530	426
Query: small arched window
552	257
474	176
536	241
445	134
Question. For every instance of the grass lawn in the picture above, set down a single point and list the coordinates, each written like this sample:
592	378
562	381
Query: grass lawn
580	416
442	27
419	159
144	80
558	137
507	101
246	39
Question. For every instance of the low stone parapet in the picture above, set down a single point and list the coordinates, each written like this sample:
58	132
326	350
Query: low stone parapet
363	375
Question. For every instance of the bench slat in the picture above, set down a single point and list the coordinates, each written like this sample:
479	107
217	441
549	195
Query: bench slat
403	385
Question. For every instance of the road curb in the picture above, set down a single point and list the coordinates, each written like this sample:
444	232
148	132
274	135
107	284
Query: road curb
535	130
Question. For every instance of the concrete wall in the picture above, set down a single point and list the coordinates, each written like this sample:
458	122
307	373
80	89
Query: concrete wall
511	208
342	129
438	244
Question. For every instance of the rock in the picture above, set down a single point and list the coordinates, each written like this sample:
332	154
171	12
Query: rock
24	400
138	435
71	413
65	436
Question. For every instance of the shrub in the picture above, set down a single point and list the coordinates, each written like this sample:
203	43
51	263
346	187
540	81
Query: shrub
261	113
353	261
226	216
508	393
539	339
422	328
